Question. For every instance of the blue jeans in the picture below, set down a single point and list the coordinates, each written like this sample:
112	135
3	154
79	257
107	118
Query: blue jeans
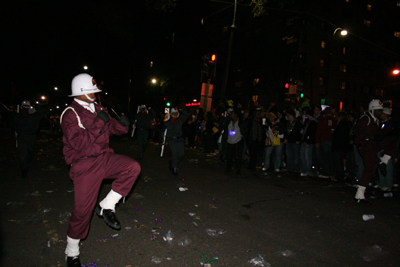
267	153
327	158
386	181
359	162
292	156
306	157
278	156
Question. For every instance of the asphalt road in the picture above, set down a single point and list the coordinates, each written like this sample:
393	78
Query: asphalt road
203	214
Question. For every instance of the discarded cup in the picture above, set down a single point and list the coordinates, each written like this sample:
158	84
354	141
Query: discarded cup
390	194
367	217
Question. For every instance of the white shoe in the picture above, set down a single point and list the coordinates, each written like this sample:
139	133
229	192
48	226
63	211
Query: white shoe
277	170
303	174
264	169
323	176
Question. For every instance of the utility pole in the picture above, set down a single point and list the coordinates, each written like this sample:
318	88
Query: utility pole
228	58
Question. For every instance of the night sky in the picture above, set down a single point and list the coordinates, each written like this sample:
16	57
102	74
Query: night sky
46	45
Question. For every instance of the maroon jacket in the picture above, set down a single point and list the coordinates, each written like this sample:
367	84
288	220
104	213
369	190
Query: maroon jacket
93	140
366	130
325	128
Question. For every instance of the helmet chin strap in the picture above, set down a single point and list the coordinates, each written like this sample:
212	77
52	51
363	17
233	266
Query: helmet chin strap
91	99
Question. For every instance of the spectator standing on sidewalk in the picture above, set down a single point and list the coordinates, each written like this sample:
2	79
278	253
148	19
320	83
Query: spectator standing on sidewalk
307	143
341	145
292	141
235	129
87	127
390	134
323	141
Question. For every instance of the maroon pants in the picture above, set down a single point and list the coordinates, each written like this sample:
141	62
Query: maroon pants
369	153
87	175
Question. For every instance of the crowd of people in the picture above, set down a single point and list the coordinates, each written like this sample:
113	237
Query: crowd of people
344	146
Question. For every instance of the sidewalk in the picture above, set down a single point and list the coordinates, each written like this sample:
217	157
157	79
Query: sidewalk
249	220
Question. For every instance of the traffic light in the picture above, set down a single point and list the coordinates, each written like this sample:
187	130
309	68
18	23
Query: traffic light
208	67
212	64
301	95
168	104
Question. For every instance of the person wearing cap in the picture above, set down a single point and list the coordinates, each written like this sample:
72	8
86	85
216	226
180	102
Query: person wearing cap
173	124
26	124
87	126
391	137
144	121
369	138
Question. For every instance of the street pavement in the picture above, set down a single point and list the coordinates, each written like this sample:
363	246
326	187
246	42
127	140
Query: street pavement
203	215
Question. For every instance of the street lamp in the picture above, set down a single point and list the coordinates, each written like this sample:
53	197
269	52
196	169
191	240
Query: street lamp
55	88
396	71
43	97
343	33
85	67
153	81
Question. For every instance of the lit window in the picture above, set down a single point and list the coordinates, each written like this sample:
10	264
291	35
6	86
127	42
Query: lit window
367	22
343	67
397	34
323	44
398	3
343	85
369	7
321	63
225	29
256	81
321	81
344	50
347	1
382	92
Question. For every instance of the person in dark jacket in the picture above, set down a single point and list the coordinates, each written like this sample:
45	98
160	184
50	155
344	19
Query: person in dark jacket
26	124
235	130
323	142
255	138
292	141
341	145
281	131
144	121
173	125
308	142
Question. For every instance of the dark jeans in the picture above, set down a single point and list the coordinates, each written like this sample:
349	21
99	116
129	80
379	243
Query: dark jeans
234	152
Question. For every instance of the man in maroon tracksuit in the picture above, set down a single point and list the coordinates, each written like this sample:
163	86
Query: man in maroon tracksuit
87	127
369	140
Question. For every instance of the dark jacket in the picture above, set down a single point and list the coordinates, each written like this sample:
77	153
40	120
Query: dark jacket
294	131
341	137
309	132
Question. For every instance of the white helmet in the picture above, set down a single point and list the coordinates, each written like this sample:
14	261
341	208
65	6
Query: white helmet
83	84
173	110
374	105
26	104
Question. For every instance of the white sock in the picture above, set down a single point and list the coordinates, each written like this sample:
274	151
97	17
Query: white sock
385	158
360	192
109	202
72	249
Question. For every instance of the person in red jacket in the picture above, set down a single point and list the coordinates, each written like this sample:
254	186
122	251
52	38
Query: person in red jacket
370	140
323	141
87	127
